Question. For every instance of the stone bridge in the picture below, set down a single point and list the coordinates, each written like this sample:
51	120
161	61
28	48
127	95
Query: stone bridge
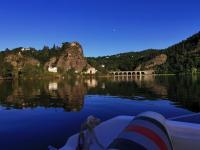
132	73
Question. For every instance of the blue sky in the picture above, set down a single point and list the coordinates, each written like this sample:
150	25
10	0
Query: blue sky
103	27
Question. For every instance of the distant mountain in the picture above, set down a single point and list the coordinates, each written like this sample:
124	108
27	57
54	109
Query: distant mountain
183	57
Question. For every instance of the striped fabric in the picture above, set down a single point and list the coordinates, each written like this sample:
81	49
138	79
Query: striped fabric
143	133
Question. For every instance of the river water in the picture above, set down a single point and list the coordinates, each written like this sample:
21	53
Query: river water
37	113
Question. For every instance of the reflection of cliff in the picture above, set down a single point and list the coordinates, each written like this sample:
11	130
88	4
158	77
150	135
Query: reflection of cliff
73	96
53	94
184	91
150	83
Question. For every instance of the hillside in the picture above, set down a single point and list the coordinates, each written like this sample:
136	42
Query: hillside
123	61
31	62
183	57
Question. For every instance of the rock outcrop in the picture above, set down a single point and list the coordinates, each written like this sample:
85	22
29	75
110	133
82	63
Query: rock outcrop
18	61
71	58
153	63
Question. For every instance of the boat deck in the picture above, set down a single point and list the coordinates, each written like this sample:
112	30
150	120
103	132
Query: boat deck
192	118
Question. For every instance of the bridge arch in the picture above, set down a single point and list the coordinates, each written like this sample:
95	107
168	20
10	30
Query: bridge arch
138	73
132	73
120	73
129	73
125	73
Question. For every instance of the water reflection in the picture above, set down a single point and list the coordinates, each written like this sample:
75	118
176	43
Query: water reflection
53	86
91	83
30	94
145	83
183	90
69	95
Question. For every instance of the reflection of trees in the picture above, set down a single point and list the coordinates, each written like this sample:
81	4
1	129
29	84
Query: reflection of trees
73	96
185	91
149	83
25	94
182	90
132	87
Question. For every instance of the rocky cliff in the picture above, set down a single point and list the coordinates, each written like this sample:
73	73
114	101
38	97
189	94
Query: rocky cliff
18	61
153	63
31	61
71	58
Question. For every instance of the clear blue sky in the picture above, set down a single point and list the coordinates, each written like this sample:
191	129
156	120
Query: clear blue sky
103	27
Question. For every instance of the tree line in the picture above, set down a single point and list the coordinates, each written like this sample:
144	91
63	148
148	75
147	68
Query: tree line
183	57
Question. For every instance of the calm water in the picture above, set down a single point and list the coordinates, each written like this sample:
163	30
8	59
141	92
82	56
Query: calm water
36	114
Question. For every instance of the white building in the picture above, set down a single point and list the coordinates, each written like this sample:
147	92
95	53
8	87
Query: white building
25	49
76	71
103	66
91	70
73	44
53	69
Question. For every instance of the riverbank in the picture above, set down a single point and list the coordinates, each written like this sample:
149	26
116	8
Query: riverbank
47	76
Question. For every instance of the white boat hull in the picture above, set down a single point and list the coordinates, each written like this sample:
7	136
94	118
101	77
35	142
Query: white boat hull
184	135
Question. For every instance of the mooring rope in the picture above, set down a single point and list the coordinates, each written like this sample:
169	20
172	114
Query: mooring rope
87	135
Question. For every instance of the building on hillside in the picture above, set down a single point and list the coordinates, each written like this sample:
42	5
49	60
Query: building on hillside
73	44
103	66
25	49
76	71
53	69
91	71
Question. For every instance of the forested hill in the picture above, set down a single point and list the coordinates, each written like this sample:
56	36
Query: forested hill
123	61
28	62
183	57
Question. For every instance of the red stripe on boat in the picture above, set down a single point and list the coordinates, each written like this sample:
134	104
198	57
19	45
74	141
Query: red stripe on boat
150	134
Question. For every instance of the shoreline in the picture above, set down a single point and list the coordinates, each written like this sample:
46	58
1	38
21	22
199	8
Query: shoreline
91	76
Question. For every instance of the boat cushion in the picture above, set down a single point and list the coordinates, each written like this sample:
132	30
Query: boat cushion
143	133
